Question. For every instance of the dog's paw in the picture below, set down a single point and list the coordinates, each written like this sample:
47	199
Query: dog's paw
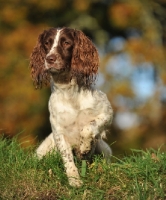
75	182
73	177
87	153
85	147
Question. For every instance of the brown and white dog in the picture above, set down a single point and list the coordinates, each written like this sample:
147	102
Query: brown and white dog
79	114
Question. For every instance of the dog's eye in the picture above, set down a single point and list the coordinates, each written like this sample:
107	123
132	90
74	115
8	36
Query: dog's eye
46	43
66	43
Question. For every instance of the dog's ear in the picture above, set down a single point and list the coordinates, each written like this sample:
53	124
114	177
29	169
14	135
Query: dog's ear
85	60
37	59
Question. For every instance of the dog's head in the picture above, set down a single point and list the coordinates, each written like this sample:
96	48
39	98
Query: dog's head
64	52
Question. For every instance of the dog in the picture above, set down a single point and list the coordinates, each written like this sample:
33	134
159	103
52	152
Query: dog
79	114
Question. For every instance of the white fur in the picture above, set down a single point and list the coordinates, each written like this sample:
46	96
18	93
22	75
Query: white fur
55	43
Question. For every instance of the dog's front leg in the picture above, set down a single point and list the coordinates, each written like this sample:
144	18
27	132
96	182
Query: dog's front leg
92	130
67	156
46	146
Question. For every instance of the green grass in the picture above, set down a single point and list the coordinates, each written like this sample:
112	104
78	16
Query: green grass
141	175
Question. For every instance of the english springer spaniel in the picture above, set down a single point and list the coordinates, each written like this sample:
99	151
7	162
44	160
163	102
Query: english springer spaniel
79	114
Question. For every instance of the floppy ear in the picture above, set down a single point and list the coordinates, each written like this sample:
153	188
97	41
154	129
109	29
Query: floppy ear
85	60
37	59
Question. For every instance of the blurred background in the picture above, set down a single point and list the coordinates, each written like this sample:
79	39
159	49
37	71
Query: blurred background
130	36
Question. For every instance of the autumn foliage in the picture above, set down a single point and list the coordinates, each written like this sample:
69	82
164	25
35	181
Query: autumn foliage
23	110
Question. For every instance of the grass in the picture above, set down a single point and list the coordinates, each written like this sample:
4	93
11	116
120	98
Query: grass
139	176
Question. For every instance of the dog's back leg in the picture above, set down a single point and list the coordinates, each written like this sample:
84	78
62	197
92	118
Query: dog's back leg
46	146
103	148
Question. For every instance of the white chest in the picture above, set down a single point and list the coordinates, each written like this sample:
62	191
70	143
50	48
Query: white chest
64	112
73	110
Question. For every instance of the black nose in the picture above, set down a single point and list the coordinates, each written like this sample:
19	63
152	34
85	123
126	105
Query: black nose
51	59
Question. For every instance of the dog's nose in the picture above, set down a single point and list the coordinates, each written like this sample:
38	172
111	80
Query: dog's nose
51	58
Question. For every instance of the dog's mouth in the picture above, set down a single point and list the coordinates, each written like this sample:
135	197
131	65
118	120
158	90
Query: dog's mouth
58	67
54	70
